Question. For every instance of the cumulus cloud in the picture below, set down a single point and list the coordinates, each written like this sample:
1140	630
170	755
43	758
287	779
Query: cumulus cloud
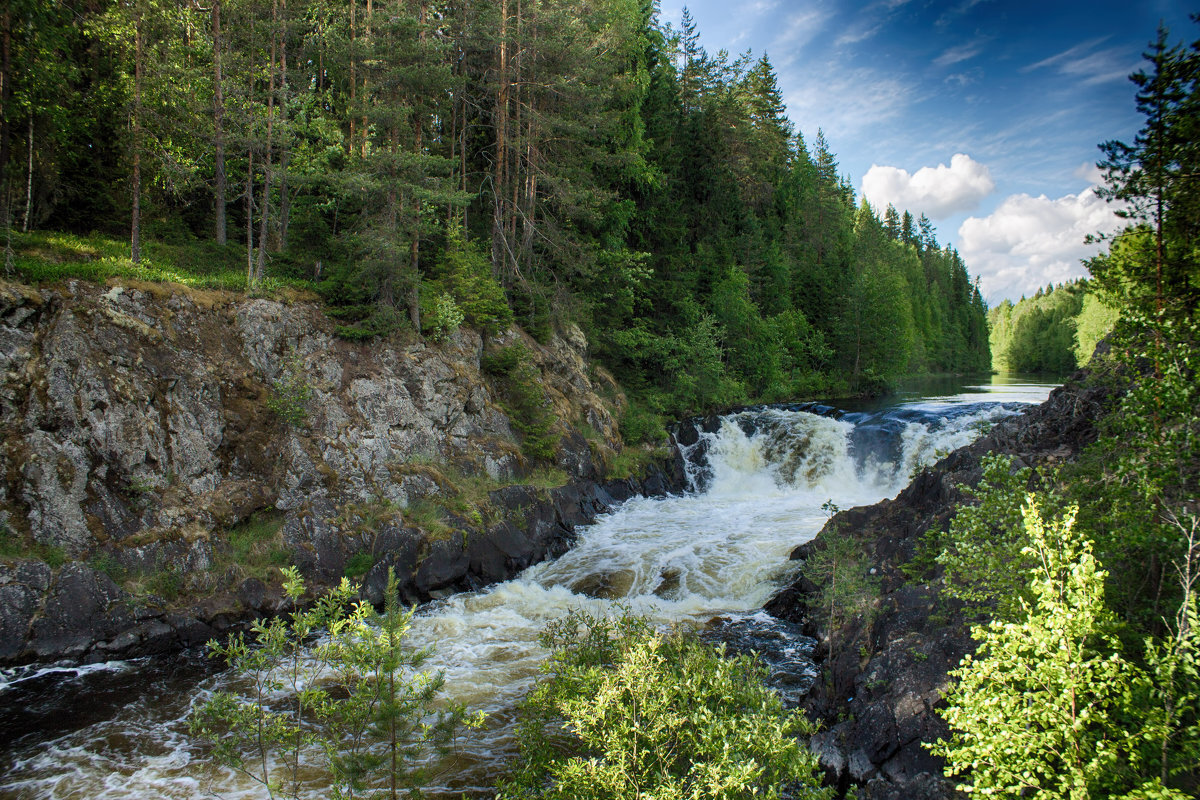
1088	171
1029	242
935	191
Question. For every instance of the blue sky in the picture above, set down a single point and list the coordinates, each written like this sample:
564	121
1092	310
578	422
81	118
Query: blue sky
983	114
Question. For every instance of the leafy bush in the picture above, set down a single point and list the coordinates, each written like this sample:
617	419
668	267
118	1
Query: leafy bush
983	555
359	564
630	713
524	399
467	274
360	704
848	590
290	393
1036	712
443	318
639	424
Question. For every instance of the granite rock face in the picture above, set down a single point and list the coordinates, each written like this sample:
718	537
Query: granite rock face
142	422
885	682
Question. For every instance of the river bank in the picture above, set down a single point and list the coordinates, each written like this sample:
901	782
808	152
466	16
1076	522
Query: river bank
886	680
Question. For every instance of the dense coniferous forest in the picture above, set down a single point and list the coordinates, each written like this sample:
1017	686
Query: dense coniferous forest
542	161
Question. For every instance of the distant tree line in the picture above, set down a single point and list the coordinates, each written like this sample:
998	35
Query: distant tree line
536	160
1053	332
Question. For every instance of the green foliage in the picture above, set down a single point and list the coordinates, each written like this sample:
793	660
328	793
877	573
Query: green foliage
106	563
633	461
638	424
1143	469
467	274
1154	263
290	393
13	546
1043	333
1037	710
524	400
47	257
636	184
1096	319
360	704
442	318
983	556
257	544
359	564
1170	708
848	590
626	712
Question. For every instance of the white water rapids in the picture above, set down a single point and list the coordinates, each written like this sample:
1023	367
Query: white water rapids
760	479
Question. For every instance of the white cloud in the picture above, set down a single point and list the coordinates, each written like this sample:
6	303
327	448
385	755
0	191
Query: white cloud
1091	65
935	191
1089	172
955	55
843	101
858	34
1029	242
799	28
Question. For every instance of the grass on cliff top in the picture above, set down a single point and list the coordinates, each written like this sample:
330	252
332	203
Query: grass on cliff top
48	257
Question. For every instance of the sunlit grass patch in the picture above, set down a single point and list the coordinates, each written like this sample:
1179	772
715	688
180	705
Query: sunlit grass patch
48	257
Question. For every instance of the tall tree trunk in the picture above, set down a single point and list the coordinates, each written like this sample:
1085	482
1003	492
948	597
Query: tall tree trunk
28	179
249	215
5	107
514	177
264	218
353	75
285	156
365	92
220	187
135	227
414	293
500	120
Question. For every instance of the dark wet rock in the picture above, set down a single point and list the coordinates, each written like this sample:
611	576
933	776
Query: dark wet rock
883	685
78	609
22	590
445	565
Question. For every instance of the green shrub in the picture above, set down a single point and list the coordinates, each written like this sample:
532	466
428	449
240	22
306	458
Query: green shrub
359	564
359	704
442	318
626	712
503	360
1037	710
639	424
524	400
983	555
848	590
290	393
467	274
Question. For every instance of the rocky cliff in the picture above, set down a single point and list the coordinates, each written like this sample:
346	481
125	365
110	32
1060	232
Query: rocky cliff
164	449
882	688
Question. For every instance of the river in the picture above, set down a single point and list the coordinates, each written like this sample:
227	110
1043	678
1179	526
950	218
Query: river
760	484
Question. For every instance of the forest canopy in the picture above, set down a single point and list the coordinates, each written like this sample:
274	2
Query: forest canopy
548	162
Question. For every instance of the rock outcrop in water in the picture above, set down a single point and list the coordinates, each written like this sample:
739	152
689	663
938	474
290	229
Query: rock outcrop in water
880	692
143	423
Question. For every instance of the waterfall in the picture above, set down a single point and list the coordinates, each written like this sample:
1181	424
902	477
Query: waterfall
759	480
